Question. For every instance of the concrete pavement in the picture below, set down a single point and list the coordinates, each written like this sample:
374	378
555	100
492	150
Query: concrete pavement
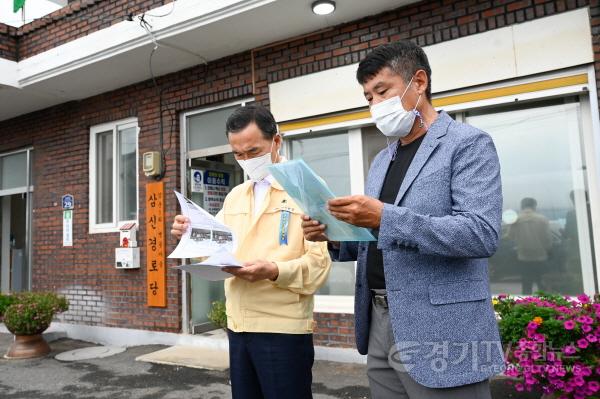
120	376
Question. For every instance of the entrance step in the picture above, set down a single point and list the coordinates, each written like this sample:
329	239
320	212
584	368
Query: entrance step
189	356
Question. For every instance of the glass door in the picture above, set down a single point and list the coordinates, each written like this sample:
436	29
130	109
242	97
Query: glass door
15	205
209	180
15	273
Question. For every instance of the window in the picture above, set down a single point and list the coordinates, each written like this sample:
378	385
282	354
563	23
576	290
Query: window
546	231
13	171
113	175
328	156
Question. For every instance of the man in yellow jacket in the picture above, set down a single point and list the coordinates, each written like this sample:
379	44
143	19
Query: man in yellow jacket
269	300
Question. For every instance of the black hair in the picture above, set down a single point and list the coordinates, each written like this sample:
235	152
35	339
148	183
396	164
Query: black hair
243	116
530	203
403	57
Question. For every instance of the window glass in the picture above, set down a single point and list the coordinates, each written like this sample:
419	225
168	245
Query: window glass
14	171
207	129
104	177
328	156
546	236
127	174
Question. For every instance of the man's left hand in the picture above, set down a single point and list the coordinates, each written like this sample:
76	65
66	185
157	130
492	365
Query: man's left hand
255	271
359	210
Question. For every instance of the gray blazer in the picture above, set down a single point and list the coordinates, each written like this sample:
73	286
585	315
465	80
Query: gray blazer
436	239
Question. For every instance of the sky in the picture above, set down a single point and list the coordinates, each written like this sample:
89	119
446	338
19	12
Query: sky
33	9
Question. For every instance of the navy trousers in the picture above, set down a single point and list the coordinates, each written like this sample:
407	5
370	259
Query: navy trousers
270	366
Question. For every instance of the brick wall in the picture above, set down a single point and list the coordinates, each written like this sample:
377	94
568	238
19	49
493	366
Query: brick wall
334	330
60	137
8	42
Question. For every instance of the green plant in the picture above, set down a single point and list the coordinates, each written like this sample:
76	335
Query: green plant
217	314
5	302
31	313
552	342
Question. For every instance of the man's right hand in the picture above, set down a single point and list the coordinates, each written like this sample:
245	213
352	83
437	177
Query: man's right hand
313	229
180	225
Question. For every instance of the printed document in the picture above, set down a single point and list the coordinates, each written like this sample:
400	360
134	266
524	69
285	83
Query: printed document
208	238
311	193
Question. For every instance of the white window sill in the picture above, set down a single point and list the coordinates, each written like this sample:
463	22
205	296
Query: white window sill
334	304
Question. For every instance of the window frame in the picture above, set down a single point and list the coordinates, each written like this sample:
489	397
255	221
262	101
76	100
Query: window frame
337	303
114	127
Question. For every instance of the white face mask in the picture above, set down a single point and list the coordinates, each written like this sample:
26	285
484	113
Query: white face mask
391	118
257	168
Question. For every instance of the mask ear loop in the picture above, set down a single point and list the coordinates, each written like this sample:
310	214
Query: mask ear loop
392	155
273	143
418	114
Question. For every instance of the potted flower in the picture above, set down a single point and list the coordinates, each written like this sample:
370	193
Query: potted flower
552	343
27	316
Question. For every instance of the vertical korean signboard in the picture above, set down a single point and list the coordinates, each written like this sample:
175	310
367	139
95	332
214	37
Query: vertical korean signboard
156	272
68	203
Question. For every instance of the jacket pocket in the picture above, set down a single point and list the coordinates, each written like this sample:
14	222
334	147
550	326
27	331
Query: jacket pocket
458	291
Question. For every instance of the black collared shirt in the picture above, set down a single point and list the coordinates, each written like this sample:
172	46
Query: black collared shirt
389	191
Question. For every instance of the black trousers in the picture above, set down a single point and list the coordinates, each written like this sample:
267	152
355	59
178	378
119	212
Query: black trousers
270	365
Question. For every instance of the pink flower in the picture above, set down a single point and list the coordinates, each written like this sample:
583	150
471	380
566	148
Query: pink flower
569	325
586	328
502	296
529	380
582	343
578	381
583	298
532	325
519	387
593	386
569	350
585	320
539	337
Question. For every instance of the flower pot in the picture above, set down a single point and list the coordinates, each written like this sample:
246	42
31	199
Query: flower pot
27	346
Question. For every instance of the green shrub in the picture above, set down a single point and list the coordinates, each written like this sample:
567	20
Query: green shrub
217	314
32	312
5	302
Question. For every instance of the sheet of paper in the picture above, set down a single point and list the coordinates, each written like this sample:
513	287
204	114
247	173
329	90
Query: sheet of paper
205	236
210	269
311	193
210	273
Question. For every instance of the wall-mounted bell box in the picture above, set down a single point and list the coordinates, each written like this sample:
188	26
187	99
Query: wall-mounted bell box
152	163
128	235
127	258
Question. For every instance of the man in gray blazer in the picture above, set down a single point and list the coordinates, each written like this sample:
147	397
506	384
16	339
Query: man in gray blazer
433	198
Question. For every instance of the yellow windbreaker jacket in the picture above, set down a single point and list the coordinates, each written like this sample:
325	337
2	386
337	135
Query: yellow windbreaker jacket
284	305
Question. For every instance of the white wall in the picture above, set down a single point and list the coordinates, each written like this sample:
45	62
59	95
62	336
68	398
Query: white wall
543	45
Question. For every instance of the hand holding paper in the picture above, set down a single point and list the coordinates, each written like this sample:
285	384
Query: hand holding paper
211	268
205	235
255	271
358	210
311	193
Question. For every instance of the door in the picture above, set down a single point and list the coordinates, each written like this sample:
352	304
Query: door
15	273
15	205
209	180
